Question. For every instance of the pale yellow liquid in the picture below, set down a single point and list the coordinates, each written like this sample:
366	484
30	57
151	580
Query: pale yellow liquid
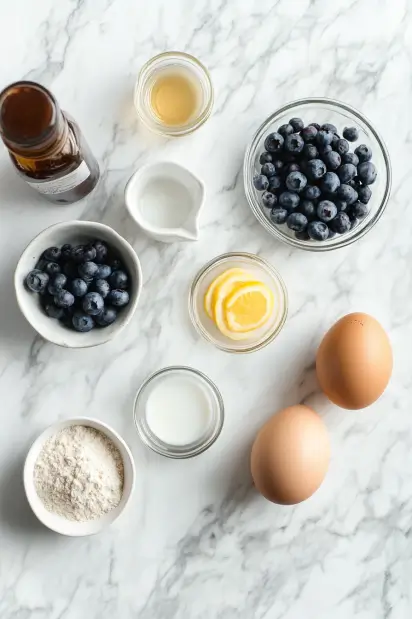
174	98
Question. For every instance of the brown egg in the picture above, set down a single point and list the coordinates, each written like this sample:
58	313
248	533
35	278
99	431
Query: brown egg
354	361
290	455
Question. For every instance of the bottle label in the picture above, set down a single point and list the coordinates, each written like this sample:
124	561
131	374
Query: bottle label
65	183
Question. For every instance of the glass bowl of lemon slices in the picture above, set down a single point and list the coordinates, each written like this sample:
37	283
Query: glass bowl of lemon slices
238	302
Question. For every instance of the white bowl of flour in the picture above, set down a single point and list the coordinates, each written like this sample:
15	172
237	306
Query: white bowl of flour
78	476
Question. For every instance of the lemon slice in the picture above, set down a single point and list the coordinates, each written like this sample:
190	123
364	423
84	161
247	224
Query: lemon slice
213	290
248	307
228	286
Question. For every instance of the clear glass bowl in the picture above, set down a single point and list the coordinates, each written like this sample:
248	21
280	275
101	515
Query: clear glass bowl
264	272
146	79
321	110
212	431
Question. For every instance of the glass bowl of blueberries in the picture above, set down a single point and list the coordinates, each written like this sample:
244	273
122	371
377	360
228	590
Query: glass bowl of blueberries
317	174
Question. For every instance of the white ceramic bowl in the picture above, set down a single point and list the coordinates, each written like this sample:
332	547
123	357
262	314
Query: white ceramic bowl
171	222
75	232
58	523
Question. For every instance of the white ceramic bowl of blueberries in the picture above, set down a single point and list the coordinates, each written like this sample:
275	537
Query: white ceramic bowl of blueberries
317	174
78	283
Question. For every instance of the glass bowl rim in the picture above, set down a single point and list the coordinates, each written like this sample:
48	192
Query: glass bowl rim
207	268
217	426
340	241
158	128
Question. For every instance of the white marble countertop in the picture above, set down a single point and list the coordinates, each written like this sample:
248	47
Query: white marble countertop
197	542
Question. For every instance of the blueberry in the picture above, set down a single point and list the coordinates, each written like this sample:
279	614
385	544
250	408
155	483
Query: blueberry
52	254
294	144
63	298
289	200
285	130
297	124
324	138
116	265
346	172
318	230
351	212
119	279
348	194
101	286
278	163
37	281
332	160
268	169
312	192
106	317
302	235
367	173
316	126
274	142
101	251
323	150
70	269
364	153
88	270
310	152
329	127
89	253
274	183
355	183
309	133
260	182
53	311
351	134
118	298
297	222
78	287
78	253
307	208
40	266
93	303
269	199
350	158
296	181
335	141
364	194
66	251
82	322
316	168
56	283
52	268
326	210
340	223
331	234
341	205
103	272
360	210
292	167
279	215
330	182
265	158
342	147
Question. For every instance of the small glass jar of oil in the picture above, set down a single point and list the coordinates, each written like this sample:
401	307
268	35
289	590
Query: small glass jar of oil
173	94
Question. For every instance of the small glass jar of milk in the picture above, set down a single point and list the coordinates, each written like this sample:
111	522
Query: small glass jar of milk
179	412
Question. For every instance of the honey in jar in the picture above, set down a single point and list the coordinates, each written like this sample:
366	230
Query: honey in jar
45	144
174	97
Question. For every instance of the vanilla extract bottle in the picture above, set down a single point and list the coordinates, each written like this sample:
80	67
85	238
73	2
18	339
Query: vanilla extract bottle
45	144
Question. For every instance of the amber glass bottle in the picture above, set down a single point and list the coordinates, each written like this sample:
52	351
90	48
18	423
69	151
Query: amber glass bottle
46	145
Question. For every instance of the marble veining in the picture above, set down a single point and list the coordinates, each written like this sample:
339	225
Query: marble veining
197	542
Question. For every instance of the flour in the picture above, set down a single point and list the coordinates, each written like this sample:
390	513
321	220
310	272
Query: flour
79	474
